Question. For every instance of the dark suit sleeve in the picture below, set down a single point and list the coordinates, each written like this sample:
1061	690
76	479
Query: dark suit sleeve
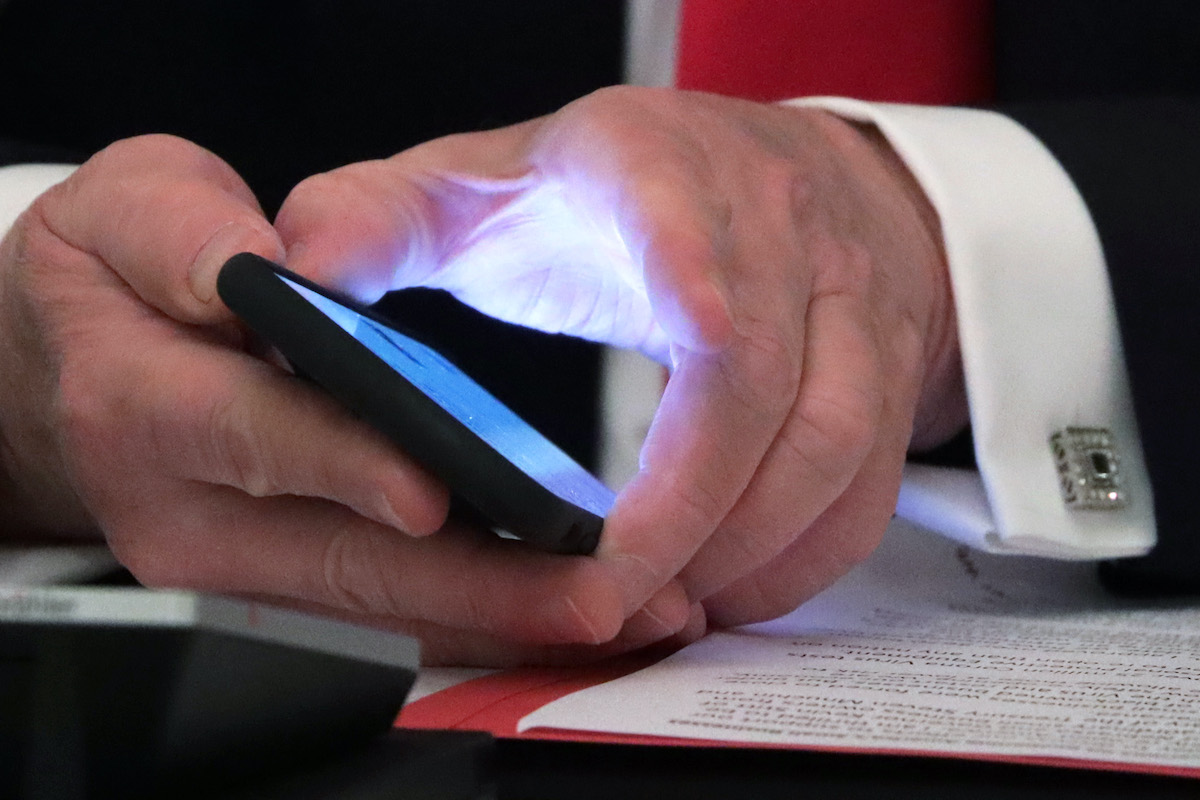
1137	164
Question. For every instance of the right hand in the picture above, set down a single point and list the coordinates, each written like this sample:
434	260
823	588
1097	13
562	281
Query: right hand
132	405
782	259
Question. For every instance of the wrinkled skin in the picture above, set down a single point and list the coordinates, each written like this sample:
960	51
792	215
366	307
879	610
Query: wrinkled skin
780	260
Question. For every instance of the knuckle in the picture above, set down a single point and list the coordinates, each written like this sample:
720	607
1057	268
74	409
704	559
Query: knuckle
360	574
163	145
612	111
778	183
313	188
337	184
238	449
305	201
845	267
381	207
602	103
764	372
835	431
773	349
342	572
37	215
699	502
35	238
129	164
156	151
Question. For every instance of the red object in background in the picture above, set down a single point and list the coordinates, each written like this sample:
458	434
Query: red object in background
910	51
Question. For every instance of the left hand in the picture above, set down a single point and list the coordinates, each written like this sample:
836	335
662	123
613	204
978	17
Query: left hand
783	260
134	406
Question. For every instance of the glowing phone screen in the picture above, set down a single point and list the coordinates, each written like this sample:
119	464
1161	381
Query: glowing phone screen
471	404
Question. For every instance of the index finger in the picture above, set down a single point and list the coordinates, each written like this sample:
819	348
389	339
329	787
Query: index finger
707	440
724	406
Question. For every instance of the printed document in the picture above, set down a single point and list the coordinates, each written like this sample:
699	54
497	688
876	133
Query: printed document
931	647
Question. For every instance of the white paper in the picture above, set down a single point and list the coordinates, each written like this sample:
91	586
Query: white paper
931	647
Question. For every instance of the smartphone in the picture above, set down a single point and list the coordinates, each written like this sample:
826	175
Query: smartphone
509	474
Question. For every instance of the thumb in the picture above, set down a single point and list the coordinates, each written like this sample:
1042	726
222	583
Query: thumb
164	214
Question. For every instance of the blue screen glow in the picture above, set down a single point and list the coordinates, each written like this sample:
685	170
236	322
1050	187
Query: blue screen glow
472	405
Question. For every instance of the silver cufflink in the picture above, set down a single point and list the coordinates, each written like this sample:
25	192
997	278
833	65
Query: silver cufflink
1088	469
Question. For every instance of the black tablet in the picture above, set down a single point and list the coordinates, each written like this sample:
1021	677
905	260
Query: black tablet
520	482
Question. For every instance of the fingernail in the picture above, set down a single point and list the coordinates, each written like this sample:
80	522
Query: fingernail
649	626
646	627
668	609
387	513
569	626
228	240
695	627
421	517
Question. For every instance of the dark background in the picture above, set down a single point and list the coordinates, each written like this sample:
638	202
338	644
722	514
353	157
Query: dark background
283	90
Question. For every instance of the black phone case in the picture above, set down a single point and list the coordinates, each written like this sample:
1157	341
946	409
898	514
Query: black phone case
322	351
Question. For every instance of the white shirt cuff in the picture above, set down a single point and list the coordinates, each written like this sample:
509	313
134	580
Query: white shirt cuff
1038	332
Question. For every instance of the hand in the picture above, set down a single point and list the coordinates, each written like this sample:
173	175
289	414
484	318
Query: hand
782	260
132	404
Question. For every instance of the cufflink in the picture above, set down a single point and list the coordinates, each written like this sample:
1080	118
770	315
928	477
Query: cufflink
1088	469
